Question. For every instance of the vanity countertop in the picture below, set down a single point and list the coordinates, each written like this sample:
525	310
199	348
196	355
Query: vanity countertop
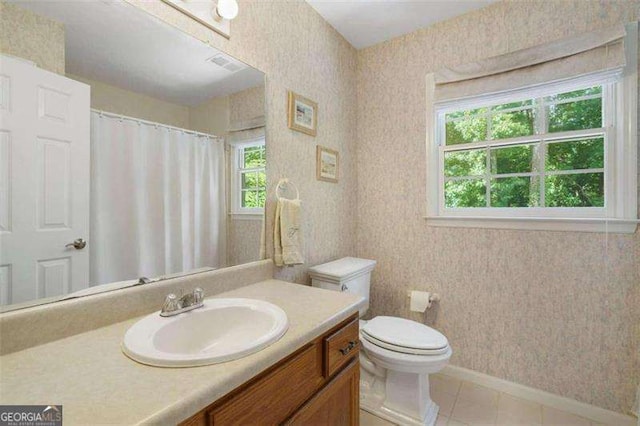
97	384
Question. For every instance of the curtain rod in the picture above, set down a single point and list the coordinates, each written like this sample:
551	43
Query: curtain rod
153	123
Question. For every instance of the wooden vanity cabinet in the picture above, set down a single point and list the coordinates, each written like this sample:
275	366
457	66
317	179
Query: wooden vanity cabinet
316	385
335	404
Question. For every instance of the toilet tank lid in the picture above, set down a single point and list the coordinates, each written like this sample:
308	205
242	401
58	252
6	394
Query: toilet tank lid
342	269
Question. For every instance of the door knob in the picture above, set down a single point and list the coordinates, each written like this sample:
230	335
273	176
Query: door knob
77	244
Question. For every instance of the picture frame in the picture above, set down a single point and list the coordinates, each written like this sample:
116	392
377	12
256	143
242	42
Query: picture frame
302	114
327	164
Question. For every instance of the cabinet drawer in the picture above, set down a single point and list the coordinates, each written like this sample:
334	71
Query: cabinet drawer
340	347
275	396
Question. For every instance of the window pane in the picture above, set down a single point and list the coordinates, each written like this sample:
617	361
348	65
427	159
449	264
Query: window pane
522	191
247	197
262	196
575	190
596	90
254	157
586	114
469	128
513	159
253	199
250	199
465	163
465	193
262	180
512	105
576	155
249	180
512	124
465	113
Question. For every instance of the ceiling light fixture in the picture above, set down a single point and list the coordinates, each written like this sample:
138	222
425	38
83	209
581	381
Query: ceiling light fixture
215	14
226	9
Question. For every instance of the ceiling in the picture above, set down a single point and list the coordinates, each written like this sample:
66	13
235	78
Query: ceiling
367	22
121	45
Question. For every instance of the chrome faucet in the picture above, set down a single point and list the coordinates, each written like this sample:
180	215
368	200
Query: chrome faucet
173	305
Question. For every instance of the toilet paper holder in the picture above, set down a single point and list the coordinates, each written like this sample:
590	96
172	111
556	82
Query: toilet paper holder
420	305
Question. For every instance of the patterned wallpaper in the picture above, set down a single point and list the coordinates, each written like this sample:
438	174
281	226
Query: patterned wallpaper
298	51
553	310
246	105
33	37
243	235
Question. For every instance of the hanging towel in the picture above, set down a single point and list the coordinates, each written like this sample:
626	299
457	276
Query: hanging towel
287	235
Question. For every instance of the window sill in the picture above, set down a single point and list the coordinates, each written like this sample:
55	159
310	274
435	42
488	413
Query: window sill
614	226
246	216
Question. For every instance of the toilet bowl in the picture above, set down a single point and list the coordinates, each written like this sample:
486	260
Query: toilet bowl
397	388
397	355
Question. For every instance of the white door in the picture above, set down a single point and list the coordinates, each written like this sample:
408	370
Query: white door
44	182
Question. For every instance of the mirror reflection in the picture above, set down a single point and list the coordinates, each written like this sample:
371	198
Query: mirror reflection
123	154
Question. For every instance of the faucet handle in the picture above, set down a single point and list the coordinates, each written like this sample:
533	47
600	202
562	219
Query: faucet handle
198	295
170	303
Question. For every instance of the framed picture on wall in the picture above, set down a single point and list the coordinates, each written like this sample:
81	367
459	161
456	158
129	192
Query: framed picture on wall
327	164
303	114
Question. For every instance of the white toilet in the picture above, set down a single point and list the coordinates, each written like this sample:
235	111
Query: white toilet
397	354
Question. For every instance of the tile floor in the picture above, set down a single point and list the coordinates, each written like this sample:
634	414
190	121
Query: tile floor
465	403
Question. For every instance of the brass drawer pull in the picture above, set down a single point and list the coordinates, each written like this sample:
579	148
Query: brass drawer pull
352	344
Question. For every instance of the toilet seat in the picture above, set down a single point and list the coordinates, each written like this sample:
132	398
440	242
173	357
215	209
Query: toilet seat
404	362
404	350
404	336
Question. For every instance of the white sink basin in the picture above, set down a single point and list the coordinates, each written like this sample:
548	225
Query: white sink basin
222	330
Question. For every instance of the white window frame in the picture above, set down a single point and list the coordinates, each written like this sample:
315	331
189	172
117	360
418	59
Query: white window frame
236	179
620	213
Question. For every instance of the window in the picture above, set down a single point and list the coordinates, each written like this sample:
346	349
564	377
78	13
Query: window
544	153
248	177
540	152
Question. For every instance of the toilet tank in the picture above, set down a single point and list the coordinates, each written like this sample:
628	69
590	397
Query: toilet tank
349	274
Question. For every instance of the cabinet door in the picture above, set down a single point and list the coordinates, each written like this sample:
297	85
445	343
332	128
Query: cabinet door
274	397
337	404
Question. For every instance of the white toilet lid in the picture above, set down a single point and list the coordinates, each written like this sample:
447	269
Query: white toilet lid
404	335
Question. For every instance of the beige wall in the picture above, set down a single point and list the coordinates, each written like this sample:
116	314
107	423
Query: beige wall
33	37
299	51
554	310
211	116
246	105
120	101
243	235
243	240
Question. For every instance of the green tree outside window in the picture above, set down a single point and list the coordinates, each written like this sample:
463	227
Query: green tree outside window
572	167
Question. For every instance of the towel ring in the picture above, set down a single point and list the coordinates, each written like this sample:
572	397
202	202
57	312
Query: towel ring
283	182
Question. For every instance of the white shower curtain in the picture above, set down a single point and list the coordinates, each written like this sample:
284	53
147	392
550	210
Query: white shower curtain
157	200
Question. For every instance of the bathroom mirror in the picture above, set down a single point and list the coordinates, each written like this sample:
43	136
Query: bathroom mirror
128	149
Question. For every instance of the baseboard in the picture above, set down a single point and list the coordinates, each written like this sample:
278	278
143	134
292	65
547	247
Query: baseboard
578	408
